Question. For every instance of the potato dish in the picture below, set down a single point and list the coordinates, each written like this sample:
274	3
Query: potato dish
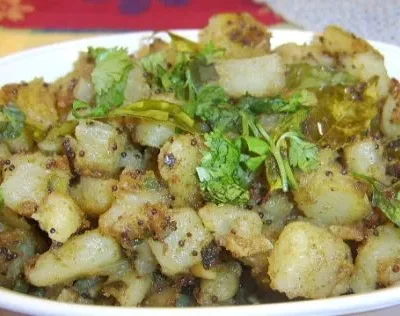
216	172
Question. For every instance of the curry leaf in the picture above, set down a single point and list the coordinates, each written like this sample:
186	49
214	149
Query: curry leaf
306	76
341	113
277	105
385	198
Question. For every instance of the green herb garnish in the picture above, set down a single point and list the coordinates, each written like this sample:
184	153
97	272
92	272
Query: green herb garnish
221	176
384	197
12	122
110	75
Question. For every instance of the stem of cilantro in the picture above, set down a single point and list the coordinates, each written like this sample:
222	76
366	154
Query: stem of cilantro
289	172
275	150
245	124
254	128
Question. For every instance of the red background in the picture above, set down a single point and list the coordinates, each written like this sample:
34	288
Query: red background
132	14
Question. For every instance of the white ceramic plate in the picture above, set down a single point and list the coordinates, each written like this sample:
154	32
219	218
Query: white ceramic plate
53	61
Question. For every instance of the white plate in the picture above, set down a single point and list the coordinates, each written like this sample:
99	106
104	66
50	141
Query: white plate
53	61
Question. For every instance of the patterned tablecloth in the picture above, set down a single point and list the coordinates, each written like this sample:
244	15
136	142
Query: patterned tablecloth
29	23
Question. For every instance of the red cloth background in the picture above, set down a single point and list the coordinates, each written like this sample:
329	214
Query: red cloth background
131	14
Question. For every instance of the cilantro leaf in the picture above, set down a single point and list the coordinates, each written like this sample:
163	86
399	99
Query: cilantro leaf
220	174
254	163
152	62
12	121
211	105
384	198
210	53
257	105
292	122
257	145
302	154
110	74
193	68
389	206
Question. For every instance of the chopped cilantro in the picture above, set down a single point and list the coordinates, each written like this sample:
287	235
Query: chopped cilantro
220	174
211	105
12	122
277	105
112	67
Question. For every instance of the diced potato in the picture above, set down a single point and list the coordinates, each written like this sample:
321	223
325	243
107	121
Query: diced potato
131	217
52	144
238	33
38	103
152	134
199	271
97	149
259	76
59	181
319	192
348	232
94	196
60	217
136	181
25	186
23	143
275	212
69	295
132	158
335	40
219	219
64	87
4	152
292	53
308	261
136	87
4	155
389	127
377	260
89	287
166	296
18	245
177	163
180	250
132	291
84	255
84	90
366	157
144	260
223	287
259	268
236	229
366	66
